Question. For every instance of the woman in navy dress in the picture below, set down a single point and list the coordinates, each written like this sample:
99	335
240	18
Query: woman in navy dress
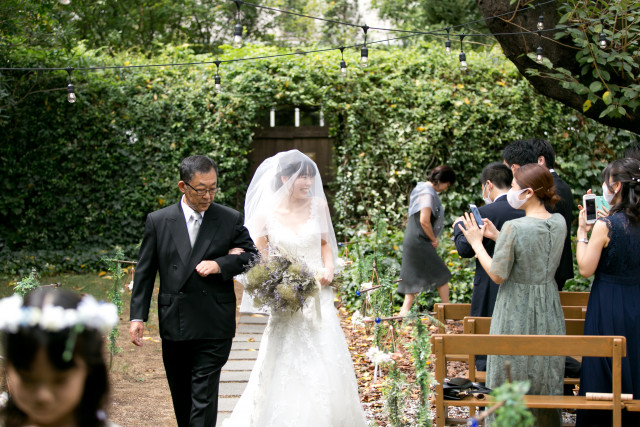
613	254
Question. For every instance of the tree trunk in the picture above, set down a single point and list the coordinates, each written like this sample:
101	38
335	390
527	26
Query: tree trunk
561	53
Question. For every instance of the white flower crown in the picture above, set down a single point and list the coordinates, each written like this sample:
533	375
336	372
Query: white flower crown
89	314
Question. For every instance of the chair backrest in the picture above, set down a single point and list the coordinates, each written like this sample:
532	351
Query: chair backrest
482	325
448	311
574	311
574	298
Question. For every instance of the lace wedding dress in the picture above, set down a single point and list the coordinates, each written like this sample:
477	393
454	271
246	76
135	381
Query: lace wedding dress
303	376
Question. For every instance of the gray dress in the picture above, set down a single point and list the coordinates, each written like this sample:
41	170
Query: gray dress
422	268
527	255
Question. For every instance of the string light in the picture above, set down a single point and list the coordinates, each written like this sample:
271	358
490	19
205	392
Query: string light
71	93
447	43
463	57
603	37
216	78
539	50
237	29
364	52
343	65
540	22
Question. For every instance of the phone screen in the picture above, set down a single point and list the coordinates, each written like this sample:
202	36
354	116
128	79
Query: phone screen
590	206
476	214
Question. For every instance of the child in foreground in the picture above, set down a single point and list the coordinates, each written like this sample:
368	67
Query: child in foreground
52	348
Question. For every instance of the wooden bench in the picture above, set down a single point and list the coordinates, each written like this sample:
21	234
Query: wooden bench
530	345
574	298
451	311
482	325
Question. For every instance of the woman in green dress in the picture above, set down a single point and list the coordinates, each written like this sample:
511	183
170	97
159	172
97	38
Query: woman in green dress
524	263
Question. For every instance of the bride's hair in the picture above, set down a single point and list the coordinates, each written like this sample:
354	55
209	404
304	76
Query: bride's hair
302	166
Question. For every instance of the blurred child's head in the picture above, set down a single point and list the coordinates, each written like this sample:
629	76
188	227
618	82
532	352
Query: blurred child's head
54	358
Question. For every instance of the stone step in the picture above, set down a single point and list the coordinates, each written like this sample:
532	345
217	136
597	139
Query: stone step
255	319
231	389
234	376
257	337
239	365
245	345
242	355
244	328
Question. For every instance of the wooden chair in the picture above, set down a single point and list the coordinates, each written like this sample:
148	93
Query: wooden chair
574	298
531	345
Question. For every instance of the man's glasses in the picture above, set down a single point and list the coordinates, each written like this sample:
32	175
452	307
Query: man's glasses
201	191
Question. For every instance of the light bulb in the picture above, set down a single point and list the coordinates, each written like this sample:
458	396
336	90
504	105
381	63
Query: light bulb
603	41
539	55
447	46
364	57
541	23
71	94
343	69
237	35
463	61
218	86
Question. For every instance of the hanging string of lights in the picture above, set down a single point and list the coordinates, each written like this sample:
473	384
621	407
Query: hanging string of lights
364	51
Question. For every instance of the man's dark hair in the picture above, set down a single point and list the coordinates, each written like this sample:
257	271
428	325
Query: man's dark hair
196	164
499	174
543	148
519	152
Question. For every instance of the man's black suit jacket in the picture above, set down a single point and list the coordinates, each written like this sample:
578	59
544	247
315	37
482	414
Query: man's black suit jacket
485	290
565	208
190	306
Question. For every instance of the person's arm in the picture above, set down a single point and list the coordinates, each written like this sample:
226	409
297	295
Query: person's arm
425	223
327	260
143	283
462	245
588	254
474	236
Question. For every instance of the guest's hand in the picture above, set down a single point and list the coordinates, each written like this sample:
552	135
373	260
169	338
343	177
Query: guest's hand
603	212
583	227
205	268
456	221
236	251
434	243
490	230
136	330
471	232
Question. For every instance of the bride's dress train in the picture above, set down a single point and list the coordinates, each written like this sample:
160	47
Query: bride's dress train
303	376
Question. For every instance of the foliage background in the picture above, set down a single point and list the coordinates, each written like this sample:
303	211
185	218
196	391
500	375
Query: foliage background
78	179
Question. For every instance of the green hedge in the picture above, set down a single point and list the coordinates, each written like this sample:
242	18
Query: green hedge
80	178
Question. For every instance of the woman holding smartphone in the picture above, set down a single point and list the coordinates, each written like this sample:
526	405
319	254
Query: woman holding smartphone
525	259
613	255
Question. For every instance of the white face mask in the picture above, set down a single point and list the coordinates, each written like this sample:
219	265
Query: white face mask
514	200
487	199
608	196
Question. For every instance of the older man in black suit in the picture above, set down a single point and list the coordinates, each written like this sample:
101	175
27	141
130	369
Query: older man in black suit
496	181
197	246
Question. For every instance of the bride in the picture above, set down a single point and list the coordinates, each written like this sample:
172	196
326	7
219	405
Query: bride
303	375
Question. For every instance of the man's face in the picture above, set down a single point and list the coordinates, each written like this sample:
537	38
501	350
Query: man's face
200	192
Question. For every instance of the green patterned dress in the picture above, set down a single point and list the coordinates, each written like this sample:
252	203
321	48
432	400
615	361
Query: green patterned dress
527	255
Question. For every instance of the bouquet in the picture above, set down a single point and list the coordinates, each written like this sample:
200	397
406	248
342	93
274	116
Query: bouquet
280	282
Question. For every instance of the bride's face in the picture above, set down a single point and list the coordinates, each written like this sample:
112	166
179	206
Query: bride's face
301	186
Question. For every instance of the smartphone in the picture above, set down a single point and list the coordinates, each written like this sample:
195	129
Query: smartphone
476	214
601	203
589	203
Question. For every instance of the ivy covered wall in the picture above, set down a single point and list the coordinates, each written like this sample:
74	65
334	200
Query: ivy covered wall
79	178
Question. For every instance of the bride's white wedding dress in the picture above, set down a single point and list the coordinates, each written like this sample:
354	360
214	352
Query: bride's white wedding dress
303	376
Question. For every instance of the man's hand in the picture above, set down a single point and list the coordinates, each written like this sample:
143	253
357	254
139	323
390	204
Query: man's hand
206	268
236	251
135	332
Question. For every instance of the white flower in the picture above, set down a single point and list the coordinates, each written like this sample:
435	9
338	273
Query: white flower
4	399
10	313
356	319
366	285
377	356
101	316
53	318
65	2
131	285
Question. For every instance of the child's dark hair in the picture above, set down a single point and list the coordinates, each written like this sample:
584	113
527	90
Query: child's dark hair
20	349
627	172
